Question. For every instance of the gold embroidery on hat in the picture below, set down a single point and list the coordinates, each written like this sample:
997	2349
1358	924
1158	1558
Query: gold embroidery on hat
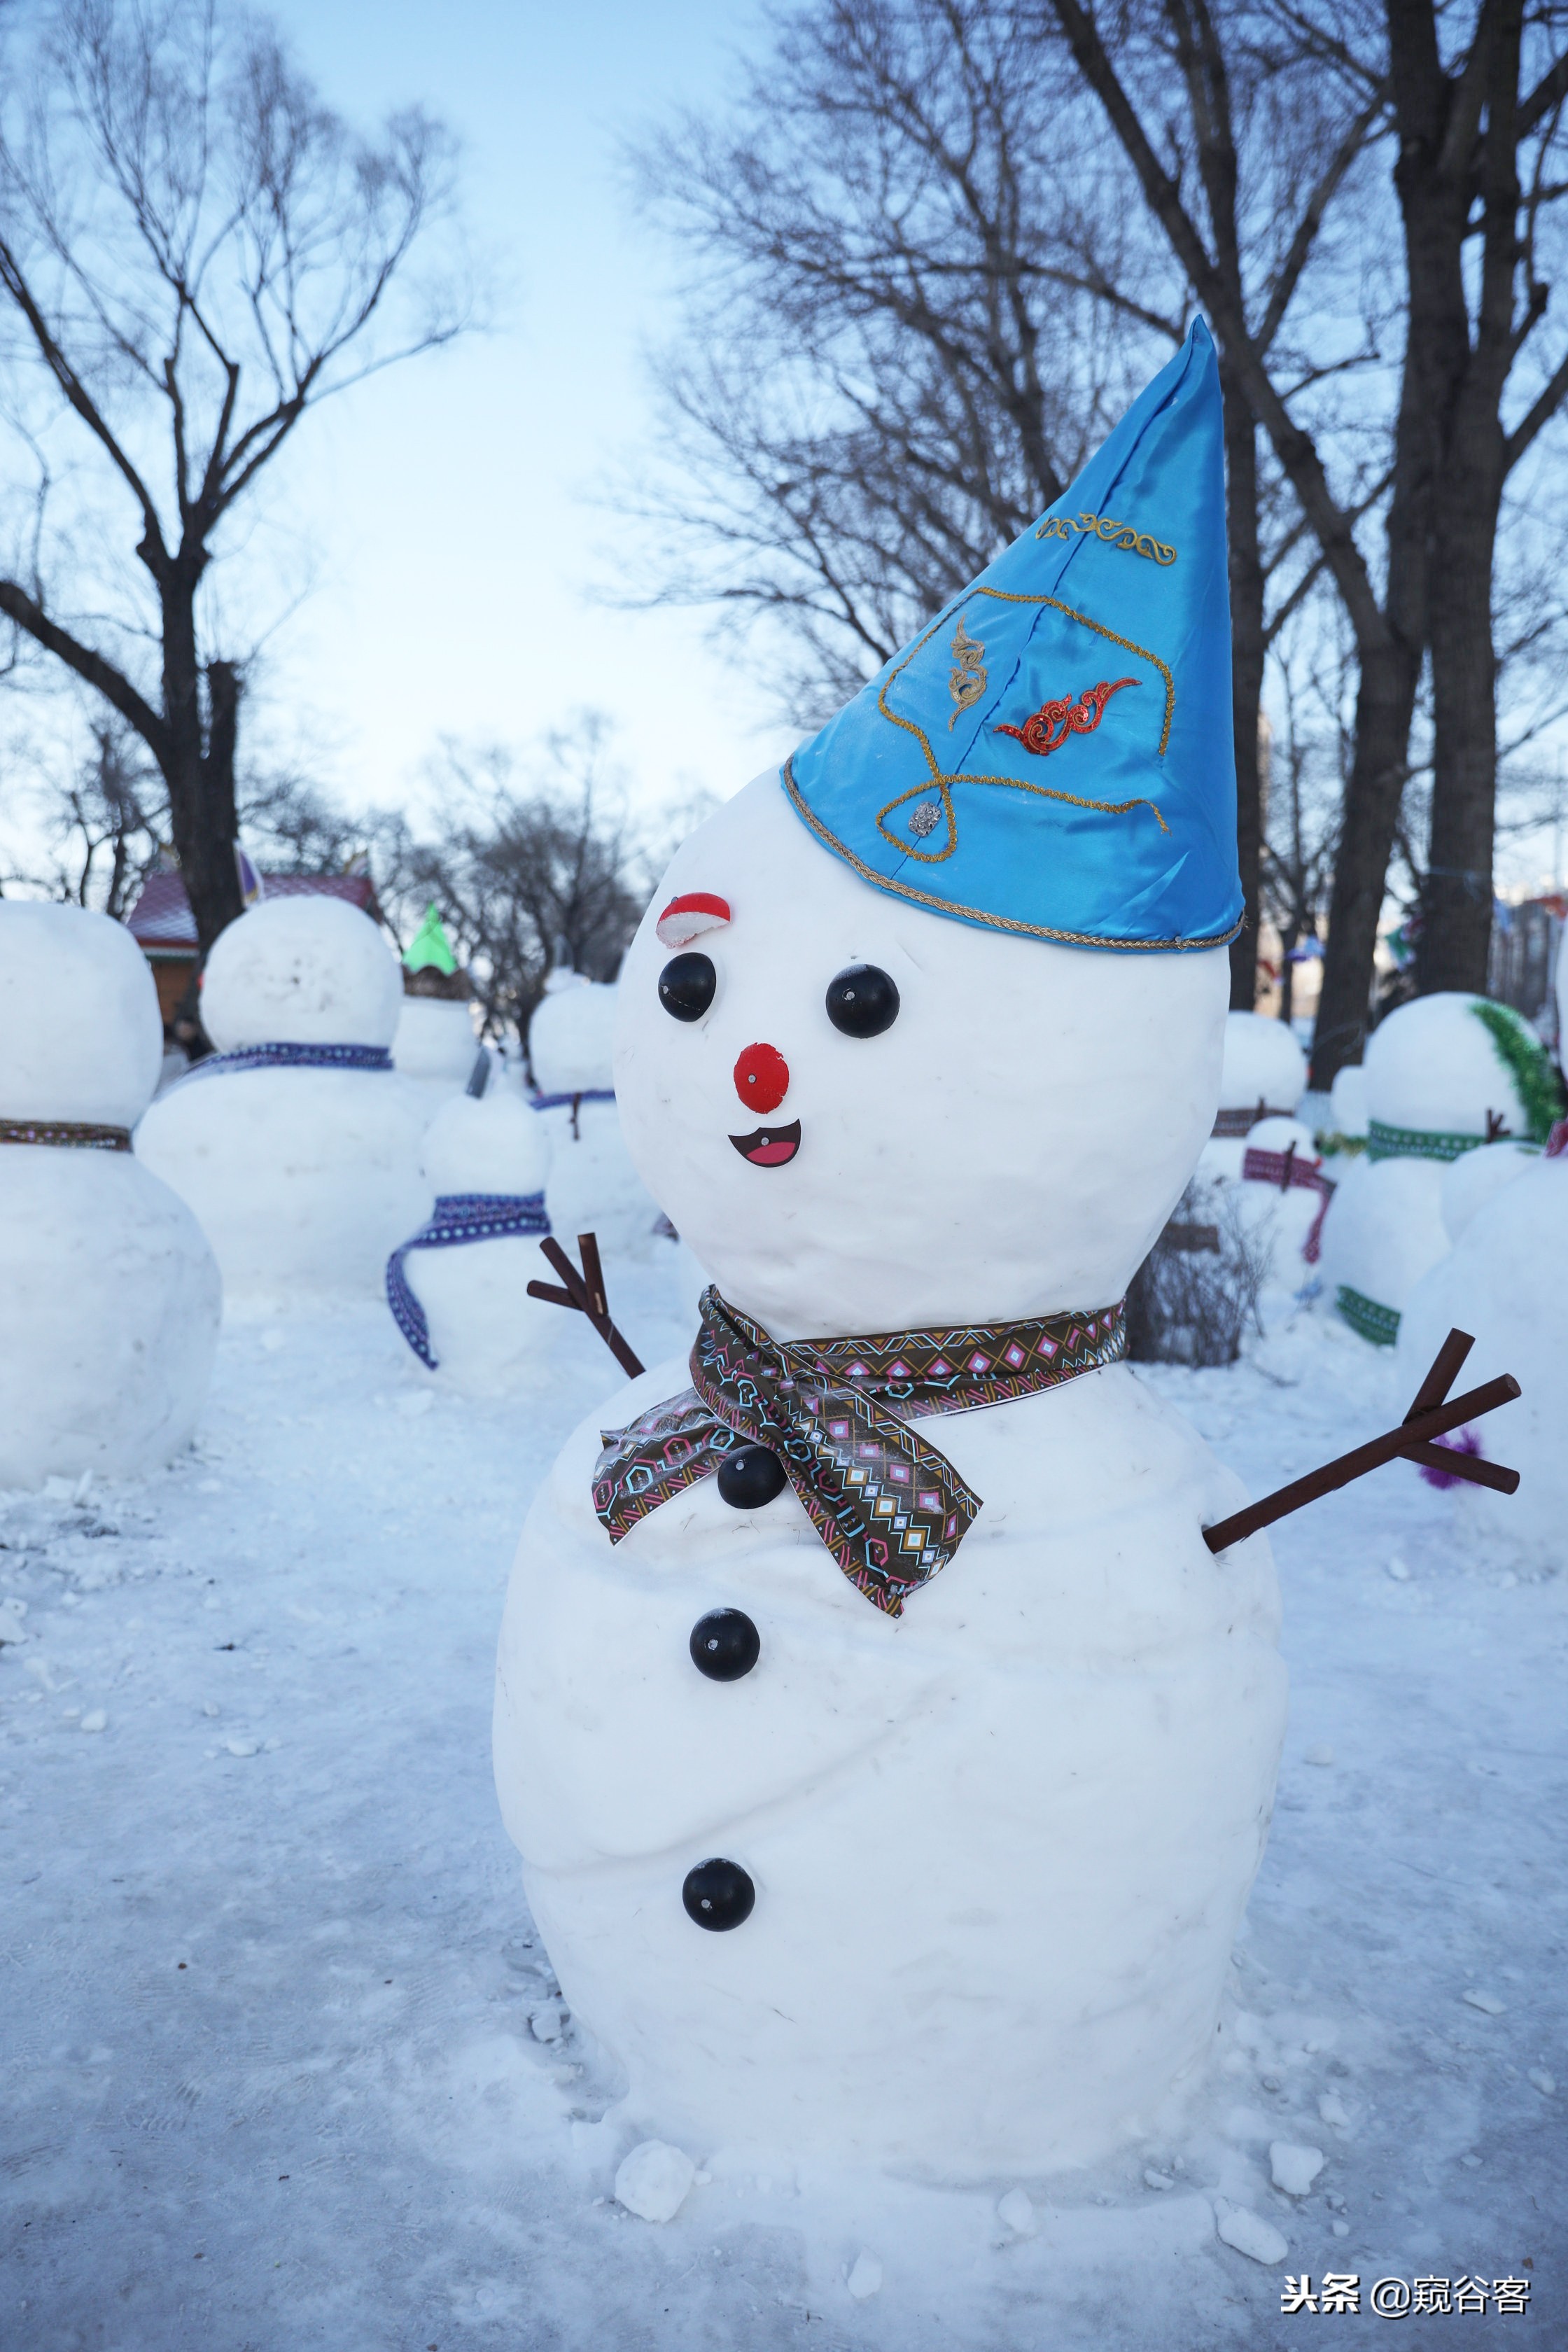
967	683
1114	534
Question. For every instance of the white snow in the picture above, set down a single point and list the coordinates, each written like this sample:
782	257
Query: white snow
865	2278
1263	1063
361	2163
1017	2212
655	2181
1293	2167
1248	2232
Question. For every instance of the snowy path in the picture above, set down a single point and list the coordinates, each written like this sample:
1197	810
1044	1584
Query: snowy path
270	2076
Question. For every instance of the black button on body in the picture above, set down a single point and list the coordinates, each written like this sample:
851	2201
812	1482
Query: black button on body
718	1894
751	1477
725	1644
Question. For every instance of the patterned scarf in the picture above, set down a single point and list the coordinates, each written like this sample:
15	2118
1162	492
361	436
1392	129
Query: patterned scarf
80	1134
1242	1122
1384	1142
889	1506
1283	1168
457	1217
285	1056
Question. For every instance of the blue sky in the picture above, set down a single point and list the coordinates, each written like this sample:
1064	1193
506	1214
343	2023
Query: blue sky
447	506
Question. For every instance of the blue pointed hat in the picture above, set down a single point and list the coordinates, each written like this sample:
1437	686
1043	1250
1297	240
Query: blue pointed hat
1054	754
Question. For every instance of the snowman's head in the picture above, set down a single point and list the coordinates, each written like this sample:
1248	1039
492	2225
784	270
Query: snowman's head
863	1117
80	1035
302	972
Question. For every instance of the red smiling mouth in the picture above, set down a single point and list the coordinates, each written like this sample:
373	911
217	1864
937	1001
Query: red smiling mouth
769	1147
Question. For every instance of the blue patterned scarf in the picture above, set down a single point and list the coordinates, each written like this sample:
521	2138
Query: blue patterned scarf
285	1056
457	1217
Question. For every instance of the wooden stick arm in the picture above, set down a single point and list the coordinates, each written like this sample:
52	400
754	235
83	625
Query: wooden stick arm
586	1292
1428	1419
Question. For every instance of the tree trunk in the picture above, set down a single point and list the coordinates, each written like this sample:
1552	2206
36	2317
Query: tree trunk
198	767
1457	902
1385	700
1247	659
1441	143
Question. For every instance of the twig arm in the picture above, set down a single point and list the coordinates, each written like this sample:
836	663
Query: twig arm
586	1292
1420	1430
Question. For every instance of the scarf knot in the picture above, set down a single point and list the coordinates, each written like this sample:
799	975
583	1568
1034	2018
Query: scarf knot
889	1506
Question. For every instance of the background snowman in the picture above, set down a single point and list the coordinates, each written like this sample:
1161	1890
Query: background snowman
888	1755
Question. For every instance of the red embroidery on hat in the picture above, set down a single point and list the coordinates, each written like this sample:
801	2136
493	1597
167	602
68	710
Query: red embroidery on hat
687	918
1047	729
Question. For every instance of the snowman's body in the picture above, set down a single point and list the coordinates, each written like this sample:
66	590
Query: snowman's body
303	1179
483	1329
1000	1845
1434	1085
1506	1283
593	1186
111	1295
1276	1212
1263	1072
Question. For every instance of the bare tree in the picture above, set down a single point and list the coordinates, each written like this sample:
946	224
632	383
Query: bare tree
99	811
530	870
919	308
905	330
193	252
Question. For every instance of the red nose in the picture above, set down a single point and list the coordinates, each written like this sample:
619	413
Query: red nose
762	1077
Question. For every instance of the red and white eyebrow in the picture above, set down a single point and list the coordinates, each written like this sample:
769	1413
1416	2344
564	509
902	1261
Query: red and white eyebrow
687	918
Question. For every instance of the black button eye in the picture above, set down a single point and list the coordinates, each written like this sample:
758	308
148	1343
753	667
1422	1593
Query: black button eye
686	986
863	1001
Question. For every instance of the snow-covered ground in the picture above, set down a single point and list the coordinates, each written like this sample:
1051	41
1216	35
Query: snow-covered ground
283	2064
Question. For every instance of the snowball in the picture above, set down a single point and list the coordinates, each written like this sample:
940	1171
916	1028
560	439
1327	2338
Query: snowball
81	1034
1432	1064
654	2180
308	971
570	1037
865	2279
1469	1181
1294	2169
1263	1063
492	1143
1331	2109
95	1719
1249	2234
435	1043
547	2024
1015	2211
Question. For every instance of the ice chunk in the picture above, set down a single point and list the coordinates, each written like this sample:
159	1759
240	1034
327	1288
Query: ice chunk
866	2278
1015	2211
1543	2079
1153	2179
1487	2001
654	2180
95	1719
547	2024
1332	2110
1294	2168
1319	1756
1248	2233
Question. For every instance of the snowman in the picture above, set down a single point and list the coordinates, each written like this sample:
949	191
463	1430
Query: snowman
434	1043
111	1295
1445	1075
593	1186
1506	1281
459	1287
297	1144
1263	1076
888	1755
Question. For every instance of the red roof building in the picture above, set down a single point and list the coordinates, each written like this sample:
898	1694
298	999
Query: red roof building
162	923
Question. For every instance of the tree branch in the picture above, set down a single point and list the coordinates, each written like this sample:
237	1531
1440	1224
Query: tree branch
90	667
